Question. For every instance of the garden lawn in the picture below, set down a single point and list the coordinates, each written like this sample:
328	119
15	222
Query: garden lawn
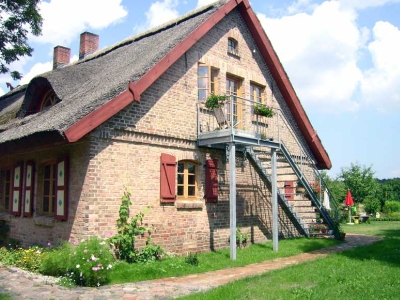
370	272
216	260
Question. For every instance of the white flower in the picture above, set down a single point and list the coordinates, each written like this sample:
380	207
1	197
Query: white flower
93	258
109	266
78	266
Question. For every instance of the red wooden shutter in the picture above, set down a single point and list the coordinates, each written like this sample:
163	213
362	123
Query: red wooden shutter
168	178
211	180
289	190
29	188
17	190
61	196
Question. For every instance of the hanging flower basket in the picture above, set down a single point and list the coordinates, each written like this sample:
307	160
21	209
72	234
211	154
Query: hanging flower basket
263	110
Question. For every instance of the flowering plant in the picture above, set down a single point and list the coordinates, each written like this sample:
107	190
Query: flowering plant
215	101
263	110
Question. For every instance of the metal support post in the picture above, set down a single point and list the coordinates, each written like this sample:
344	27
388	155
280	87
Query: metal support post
274	201
232	200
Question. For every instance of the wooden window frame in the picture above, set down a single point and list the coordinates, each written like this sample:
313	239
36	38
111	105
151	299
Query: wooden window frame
233	46
52	188
50	99
238	123
212	81
185	183
256	99
7	192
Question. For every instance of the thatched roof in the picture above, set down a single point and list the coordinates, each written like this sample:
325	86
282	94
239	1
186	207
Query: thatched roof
88	84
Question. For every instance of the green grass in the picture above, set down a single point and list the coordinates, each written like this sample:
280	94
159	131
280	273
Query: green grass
176	266
4	296
370	272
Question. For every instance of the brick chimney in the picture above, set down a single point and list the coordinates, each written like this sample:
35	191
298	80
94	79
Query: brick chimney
61	57
89	44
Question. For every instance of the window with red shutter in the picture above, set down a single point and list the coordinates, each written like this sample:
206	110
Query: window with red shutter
17	190
289	190
29	188
167	178
211	180
61	195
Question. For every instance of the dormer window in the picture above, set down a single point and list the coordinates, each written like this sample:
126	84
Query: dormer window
233	47
49	100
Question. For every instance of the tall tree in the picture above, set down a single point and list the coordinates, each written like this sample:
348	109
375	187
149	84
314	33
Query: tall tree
17	18
360	180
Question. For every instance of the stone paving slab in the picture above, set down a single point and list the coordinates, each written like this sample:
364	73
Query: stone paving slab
20	284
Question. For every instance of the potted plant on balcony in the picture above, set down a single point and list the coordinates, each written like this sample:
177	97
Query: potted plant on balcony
300	189
215	101
263	110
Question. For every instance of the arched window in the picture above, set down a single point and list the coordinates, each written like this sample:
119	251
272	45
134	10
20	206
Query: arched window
187	179
49	100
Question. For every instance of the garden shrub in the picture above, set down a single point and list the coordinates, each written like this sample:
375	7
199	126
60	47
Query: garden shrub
192	259
27	259
56	262
391	206
90	262
371	205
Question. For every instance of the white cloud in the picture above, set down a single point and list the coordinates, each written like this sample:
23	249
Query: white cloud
380	87
64	20
161	12
319	52
2	92
201	3
362	4
37	69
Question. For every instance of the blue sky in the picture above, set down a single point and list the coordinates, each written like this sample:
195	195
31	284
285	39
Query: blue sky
342	57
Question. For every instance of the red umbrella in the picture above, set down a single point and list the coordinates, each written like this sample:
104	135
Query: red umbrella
349	200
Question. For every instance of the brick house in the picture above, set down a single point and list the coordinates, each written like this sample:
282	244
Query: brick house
133	115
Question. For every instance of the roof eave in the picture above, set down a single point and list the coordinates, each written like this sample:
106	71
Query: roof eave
284	85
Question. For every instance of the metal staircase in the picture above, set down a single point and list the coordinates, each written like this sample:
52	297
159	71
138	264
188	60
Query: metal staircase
307	208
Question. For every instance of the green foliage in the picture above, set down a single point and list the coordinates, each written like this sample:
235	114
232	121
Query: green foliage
360	180
371	205
192	259
215	101
56	262
90	263
150	253
263	110
124	241
391	206
241	238
386	219
27	259
15	20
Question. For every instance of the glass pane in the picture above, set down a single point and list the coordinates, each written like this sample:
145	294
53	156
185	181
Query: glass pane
52	207
47	172
180	178
202	94
191	168
191	179
202	83
181	167
46	188
202	71
45	204
7	191
8	175
6	202
180	190
191	191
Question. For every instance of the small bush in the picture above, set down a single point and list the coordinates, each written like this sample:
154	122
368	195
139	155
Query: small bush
391	207
371	205
90	262
192	259
56	261
150	253
27	259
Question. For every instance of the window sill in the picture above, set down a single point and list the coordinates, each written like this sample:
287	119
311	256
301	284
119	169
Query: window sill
189	204
44	221
4	216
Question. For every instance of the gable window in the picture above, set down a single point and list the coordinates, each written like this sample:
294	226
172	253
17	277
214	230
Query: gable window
233	46
49	100
7	176
187	180
207	80
49	188
256	94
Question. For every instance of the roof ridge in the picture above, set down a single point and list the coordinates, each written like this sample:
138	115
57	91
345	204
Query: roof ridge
151	31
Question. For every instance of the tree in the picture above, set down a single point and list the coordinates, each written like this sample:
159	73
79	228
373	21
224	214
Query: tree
360	180
336	187
17	18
